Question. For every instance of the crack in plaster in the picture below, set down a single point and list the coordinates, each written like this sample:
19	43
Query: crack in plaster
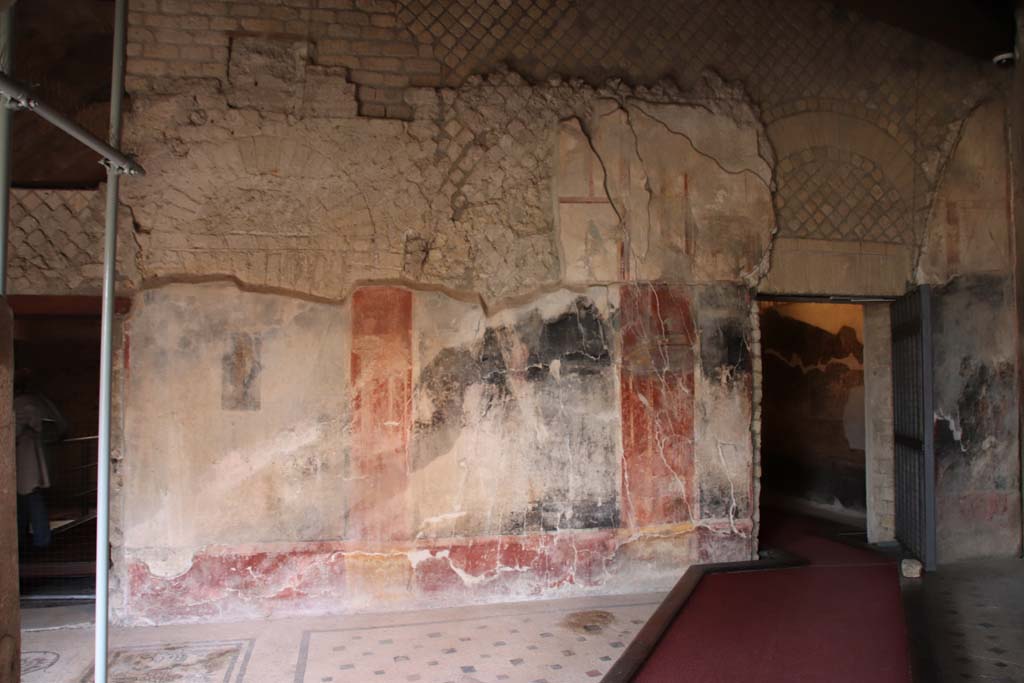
733	505
646	185
710	157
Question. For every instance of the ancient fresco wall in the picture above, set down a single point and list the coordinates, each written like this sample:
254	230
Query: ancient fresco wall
474	423
407	335
404	448
969	259
976	429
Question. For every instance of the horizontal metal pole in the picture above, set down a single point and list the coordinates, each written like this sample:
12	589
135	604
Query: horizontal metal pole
21	98
79	438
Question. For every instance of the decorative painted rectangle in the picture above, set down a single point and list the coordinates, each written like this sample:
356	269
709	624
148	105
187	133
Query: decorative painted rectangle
223	661
240	373
657	405
378	466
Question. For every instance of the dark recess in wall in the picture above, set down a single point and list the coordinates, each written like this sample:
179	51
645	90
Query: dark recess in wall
811	376
63	50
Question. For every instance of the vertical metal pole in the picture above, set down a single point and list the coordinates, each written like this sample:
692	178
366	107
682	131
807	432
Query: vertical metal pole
106	351
1017	174
7	66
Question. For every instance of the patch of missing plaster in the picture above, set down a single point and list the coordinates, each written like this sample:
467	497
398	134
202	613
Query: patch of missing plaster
166	563
458	198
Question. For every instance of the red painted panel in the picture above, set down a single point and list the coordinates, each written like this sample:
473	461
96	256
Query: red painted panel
242	584
437	575
376	500
332	576
657	405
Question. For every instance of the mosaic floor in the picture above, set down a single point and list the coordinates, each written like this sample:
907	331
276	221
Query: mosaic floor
967	622
534	642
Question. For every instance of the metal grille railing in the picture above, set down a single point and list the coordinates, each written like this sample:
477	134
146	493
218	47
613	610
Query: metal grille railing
71	506
913	428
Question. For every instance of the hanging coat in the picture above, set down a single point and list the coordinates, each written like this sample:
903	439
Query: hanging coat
37	422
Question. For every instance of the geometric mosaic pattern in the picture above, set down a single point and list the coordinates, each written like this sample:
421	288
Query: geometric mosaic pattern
549	646
56	242
791	57
969	621
832	194
557	641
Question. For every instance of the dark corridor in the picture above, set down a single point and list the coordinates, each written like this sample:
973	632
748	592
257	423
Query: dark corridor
813	435
56	359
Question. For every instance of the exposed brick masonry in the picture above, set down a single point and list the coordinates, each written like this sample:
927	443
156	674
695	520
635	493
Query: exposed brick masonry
193	39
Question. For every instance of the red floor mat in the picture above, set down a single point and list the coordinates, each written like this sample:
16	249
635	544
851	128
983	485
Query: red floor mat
838	619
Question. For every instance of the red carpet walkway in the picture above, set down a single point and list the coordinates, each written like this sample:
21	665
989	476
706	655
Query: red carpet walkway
838	619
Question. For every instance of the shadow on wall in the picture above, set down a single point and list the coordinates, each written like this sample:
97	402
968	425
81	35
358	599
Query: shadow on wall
813	406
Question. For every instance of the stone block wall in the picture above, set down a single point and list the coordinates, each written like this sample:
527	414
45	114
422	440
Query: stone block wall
361	39
879	453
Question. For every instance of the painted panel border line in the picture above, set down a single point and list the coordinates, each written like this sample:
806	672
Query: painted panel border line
239	660
650	634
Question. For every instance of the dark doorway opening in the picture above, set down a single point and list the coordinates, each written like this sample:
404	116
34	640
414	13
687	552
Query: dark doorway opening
812	410
56	357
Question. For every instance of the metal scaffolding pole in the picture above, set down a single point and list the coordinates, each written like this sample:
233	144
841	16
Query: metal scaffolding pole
17	96
20	97
6	64
106	345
